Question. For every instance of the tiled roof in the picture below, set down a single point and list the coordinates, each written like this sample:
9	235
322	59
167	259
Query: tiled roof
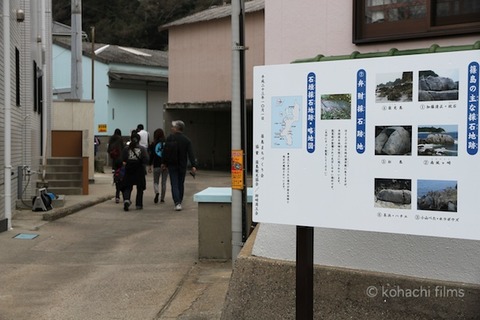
112	53
215	13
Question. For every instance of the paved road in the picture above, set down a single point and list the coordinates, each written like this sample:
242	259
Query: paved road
104	263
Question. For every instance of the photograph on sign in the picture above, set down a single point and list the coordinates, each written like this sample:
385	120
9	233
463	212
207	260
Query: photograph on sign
385	144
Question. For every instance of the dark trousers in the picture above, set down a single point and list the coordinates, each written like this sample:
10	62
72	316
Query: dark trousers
127	192
177	182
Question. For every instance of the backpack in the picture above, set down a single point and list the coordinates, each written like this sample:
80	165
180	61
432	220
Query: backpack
170	154
114	153
159	149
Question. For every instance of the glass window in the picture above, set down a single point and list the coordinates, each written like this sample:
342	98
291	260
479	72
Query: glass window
383	20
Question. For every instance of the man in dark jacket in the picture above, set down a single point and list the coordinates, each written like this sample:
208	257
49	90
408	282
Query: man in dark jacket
178	151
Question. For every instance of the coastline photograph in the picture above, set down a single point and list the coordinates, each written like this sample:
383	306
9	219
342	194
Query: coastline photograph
438	140
394	87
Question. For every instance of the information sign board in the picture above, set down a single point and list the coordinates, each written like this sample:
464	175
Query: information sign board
385	144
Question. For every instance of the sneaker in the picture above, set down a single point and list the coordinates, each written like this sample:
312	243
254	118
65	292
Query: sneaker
126	204
178	207
156	198
162	200
117	200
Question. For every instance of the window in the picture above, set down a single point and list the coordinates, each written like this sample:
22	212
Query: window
384	20
17	77
37	89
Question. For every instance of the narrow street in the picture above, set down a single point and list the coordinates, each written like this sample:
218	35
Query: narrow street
104	263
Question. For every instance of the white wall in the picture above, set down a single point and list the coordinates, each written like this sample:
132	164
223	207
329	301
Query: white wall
303	29
24	136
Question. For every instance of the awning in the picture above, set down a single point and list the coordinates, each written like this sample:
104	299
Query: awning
116	75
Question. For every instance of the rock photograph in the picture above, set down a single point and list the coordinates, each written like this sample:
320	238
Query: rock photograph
437	195
336	106
437	86
394	87
393	140
438	140
393	193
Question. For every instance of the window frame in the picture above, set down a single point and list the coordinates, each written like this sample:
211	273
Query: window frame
17	78
403	30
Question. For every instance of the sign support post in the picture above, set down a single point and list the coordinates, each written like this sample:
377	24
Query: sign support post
304	273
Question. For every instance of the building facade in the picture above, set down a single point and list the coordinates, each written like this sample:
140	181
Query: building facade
349	263
128	86
200	81
25	50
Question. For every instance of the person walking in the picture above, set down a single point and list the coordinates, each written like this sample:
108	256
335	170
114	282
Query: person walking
135	160
114	149
144	136
160	174
178	151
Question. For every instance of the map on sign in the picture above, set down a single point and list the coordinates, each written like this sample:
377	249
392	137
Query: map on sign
286	122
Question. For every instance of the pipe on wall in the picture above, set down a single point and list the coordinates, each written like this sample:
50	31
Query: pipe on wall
45	110
7	114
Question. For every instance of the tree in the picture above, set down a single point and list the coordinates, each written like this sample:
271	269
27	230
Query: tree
132	23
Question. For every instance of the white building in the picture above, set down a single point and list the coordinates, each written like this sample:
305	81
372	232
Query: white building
25	52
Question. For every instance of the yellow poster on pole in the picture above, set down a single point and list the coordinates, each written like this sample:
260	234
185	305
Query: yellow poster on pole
237	169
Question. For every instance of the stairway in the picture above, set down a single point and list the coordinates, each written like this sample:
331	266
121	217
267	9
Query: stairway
63	176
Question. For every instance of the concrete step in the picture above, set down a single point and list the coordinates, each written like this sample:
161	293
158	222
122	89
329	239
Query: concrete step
63	176
64	161
66	190
52	176
59	183
64	168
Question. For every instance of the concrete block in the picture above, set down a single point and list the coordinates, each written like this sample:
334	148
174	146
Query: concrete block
215	222
263	288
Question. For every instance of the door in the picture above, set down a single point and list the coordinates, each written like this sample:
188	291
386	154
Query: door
66	143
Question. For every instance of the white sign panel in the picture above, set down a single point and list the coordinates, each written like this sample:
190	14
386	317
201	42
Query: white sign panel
381	144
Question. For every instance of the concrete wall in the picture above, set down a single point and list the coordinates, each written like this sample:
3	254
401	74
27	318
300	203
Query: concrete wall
327	25
263	288
78	116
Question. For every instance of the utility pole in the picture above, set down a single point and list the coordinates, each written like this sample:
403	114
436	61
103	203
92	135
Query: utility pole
238	97
76	45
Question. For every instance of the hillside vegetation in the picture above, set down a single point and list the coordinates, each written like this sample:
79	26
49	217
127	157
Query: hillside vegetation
131	23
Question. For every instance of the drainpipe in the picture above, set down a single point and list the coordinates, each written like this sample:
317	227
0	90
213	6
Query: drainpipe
45	110
7	117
